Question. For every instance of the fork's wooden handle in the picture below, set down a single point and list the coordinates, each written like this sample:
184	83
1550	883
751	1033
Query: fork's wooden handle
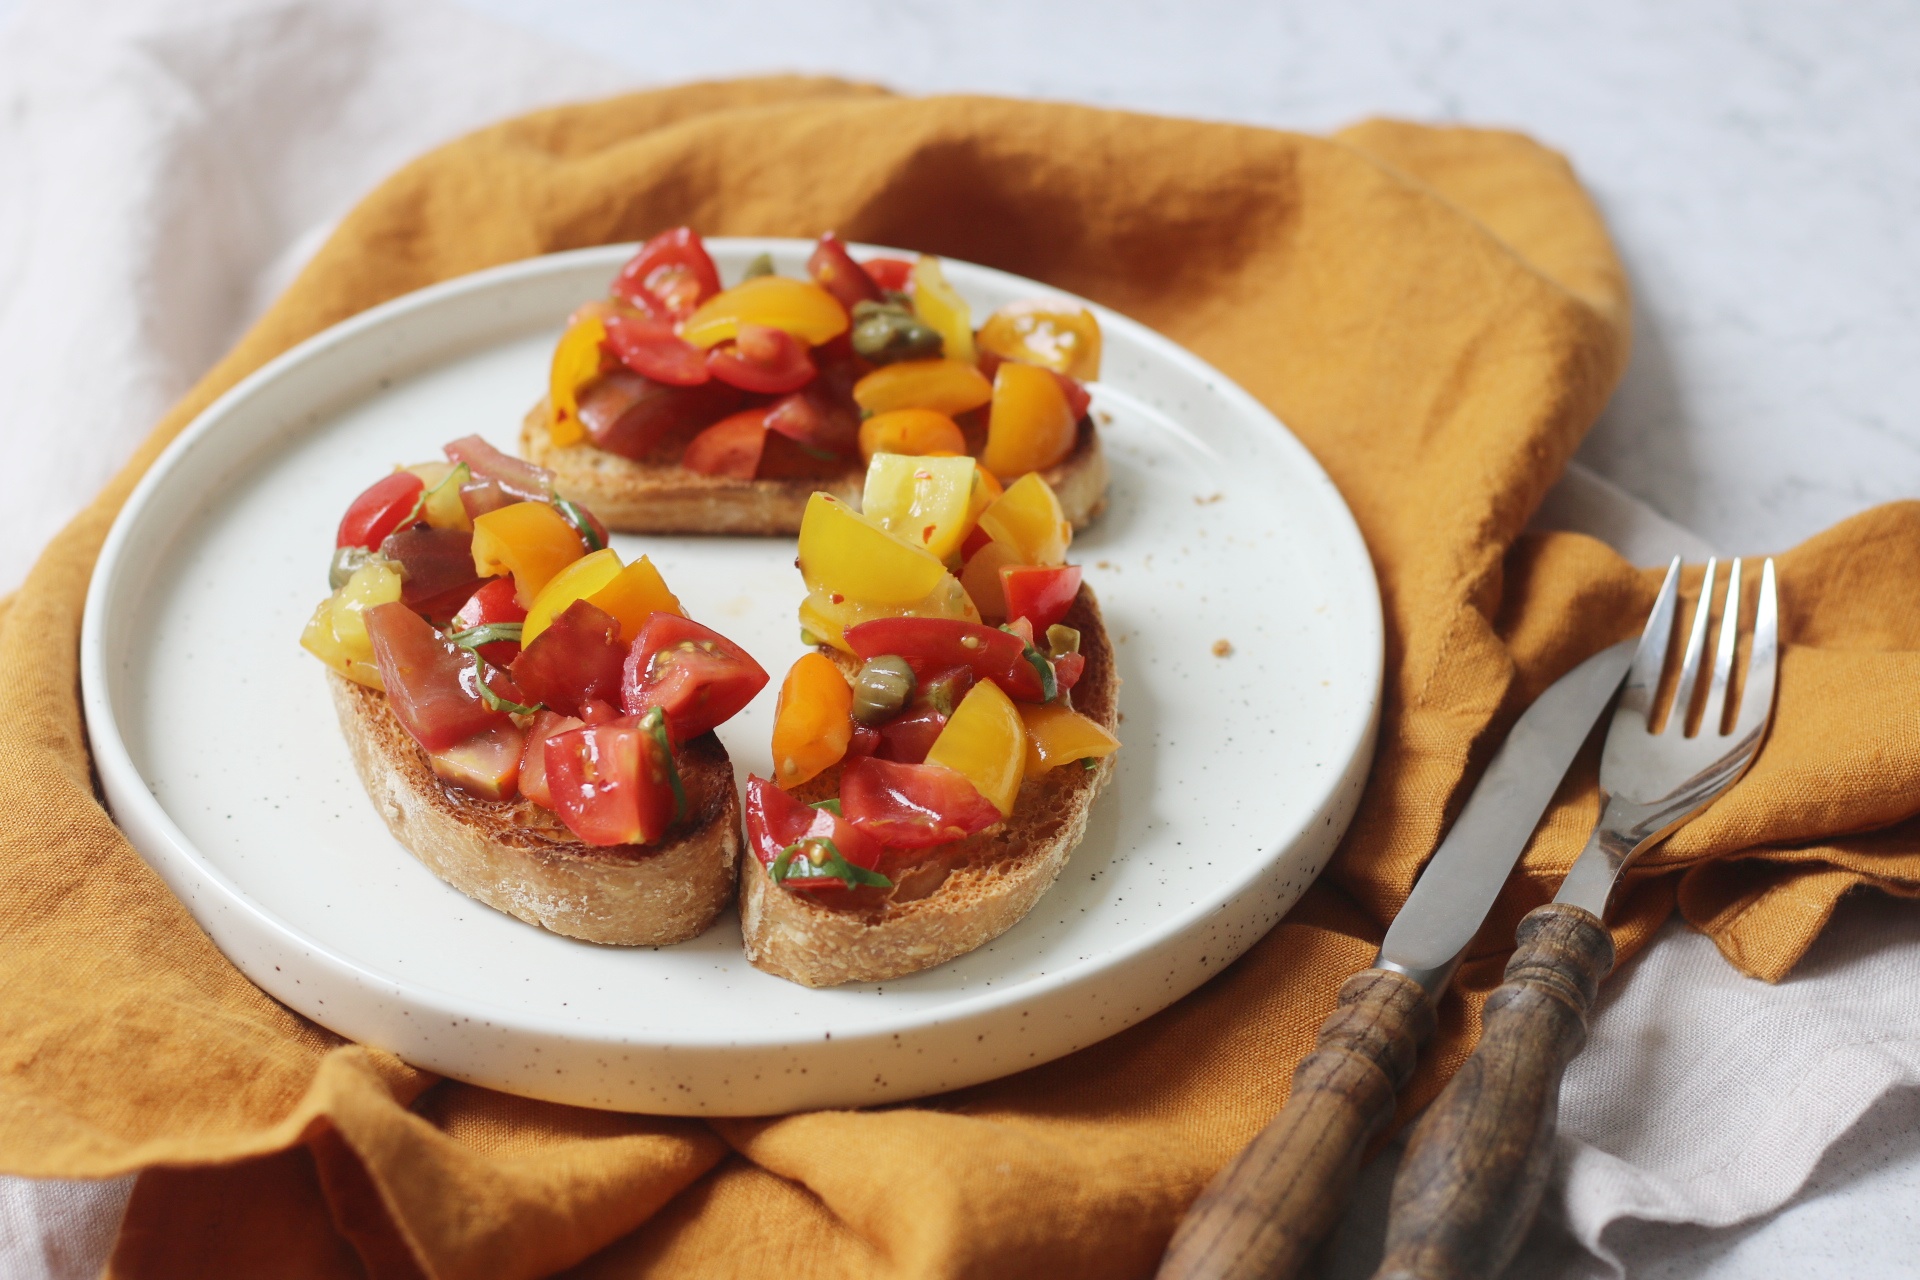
1264	1213
1471	1179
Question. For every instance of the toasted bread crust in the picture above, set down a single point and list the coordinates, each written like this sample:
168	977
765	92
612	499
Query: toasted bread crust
663	498
518	858
994	878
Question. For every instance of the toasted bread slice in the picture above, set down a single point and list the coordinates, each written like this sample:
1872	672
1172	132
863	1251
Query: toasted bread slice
659	496
969	893
518	858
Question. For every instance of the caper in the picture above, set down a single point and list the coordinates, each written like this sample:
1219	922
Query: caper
1062	640
762	265
884	332
345	561
882	688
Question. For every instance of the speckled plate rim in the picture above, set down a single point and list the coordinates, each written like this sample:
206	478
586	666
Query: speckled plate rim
228	913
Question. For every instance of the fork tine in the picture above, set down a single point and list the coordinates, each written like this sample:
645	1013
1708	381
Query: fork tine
1650	659
1756	700
1676	725
1714	715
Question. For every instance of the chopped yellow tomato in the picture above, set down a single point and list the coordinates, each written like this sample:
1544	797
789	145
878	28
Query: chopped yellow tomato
635	595
631	594
337	632
1054	335
915	431
945	386
986	741
813	721
798	307
1030	426
440	505
943	309
923	500
849	555
981	578
826	618
529	540
576	362
1028	520
1058	735
986	491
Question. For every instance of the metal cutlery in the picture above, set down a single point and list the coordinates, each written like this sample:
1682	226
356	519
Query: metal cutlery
1471	1180
1264	1213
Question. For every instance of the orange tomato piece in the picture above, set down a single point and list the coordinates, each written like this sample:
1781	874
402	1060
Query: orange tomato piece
1058	735
1030	426
635	595
797	307
1054	335
813	721
981	578
946	386
1028	521
577	360
529	540
910	431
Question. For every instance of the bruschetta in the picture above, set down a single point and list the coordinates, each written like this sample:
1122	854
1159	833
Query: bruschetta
677	406
532	717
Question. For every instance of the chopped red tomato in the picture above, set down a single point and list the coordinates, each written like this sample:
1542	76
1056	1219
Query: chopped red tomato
517	477
654	351
762	359
865	741
895	275
730	447
912	806
1041	596
533	757
814	419
932	643
431	684
487	764
613	783
910	735
976	538
672	271
378	511
436	568
574	665
693	673
627	414
776	822
493	603
1068	668
834	270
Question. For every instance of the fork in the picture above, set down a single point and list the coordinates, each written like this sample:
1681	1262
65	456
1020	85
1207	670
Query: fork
1475	1167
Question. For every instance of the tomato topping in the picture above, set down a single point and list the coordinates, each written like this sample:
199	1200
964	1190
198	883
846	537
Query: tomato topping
655	351
895	275
776	822
1067	669
912	806
696	675
910	735
487	764
761	359
378	511
865	741
481	497
815	419
516	476
931	643
1079	399
627	414
1041	596
730	447
493	603
834	270
614	782
436	568
574	665
533	757
431	684
671	273
812	721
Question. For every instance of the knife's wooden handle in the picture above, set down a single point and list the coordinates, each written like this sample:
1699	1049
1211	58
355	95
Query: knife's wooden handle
1263	1214
1474	1169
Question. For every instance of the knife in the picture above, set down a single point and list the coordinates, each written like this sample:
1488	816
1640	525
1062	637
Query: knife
1262	1215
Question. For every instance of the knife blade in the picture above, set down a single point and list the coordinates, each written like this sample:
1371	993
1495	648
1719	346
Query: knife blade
1262	1216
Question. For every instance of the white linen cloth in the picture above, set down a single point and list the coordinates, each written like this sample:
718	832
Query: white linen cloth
169	167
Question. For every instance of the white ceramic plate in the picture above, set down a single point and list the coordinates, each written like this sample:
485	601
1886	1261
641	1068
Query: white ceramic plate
221	758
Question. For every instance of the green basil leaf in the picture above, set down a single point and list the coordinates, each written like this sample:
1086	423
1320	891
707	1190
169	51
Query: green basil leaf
571	512
654	723
821	857
487	633
831	806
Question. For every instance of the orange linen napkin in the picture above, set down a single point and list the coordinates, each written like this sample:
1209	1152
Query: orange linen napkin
1439	316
